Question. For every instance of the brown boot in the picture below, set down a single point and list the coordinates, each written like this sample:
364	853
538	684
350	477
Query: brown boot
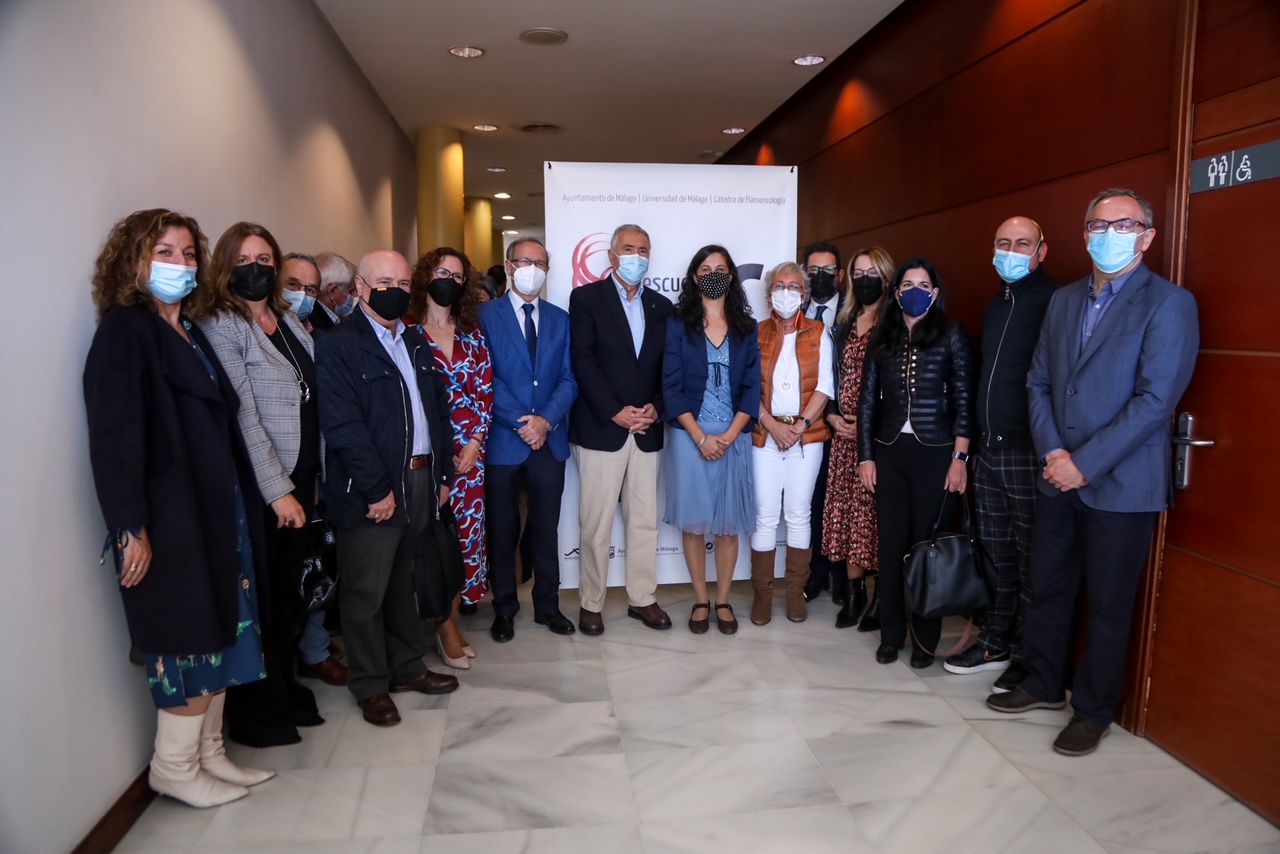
797	573
762	586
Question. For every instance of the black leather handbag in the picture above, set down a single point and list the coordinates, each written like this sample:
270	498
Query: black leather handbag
438	570
949	574
319	583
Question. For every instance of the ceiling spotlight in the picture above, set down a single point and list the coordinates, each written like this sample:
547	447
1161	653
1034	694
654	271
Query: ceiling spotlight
486	128
496	169
544	36
466	51
734	131
510	232
809	59
502	195
508	217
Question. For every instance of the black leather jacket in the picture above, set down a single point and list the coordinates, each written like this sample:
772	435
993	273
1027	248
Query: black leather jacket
933	386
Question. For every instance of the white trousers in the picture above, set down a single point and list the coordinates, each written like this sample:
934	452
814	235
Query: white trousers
784	489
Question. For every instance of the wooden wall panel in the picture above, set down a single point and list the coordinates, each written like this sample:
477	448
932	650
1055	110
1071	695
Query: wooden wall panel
1227	729
1238	44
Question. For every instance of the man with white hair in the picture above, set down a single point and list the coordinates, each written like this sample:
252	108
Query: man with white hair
337	291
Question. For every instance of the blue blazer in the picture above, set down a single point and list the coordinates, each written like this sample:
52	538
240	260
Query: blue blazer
521	388
1111	403
684	373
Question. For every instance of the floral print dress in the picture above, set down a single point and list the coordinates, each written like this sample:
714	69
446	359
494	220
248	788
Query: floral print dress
849	526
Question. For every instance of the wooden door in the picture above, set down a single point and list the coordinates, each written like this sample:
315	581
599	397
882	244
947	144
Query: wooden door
1213	696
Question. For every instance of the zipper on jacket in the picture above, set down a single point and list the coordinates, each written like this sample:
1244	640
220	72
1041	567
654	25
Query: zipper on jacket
1013	304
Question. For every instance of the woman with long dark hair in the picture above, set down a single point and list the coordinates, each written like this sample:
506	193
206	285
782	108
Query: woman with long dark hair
915	418
711	393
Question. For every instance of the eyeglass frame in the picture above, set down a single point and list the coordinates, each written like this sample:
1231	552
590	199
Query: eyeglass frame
1092	226
521	263
460	278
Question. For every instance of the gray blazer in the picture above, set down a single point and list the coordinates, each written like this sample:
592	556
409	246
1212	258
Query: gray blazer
269	399
1111	403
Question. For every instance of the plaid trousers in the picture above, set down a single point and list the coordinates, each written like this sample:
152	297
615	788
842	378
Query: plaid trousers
1004	487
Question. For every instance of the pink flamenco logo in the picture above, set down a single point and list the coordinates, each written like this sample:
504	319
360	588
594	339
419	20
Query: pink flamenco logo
591	259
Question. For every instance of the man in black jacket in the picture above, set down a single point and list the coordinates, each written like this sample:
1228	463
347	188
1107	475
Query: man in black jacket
1006	470
384	414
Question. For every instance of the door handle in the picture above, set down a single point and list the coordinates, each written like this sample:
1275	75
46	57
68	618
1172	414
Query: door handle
1183	443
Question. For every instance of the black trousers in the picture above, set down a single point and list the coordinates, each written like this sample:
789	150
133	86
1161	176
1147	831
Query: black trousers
1074	545
385	637
819	564
910	488
1004	491
542	477
261	712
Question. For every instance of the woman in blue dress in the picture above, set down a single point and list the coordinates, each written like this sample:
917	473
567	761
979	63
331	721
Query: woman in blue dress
178	495
711	394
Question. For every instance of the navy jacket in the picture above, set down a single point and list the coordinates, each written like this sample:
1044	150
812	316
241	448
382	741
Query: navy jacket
366	422
685	367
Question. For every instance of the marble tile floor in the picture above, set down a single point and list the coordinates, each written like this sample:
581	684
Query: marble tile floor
782	738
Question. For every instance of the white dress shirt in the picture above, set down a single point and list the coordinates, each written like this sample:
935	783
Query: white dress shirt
393	342
786	376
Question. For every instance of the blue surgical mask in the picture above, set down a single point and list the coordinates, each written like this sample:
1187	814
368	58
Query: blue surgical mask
1012	266
300	301
345	309
1111	251
170	283
631	268
915	301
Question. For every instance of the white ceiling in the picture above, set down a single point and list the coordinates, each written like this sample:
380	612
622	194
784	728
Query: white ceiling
642	81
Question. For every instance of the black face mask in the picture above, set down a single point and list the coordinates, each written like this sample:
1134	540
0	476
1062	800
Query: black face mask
714	285
389	303
868	289
822	286
444	291
253	282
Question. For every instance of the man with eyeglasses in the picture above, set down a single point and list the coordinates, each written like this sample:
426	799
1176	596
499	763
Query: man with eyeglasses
337	295
384	413
301	278
618	337
1006	468
533	390
1115	355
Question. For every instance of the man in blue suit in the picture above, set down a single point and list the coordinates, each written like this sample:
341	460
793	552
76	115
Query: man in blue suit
533	389
1115	354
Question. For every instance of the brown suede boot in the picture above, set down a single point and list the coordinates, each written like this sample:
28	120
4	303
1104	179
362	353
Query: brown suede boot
797	573
762	586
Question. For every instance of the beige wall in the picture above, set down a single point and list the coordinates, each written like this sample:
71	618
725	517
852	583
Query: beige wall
227	110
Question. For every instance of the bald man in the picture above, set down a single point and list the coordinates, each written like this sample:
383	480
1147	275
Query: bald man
384	414
1006	469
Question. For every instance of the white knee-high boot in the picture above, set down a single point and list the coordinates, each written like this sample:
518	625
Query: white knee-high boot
175	767
213	753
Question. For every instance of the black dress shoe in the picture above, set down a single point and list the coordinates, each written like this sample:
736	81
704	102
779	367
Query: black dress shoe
920	659
427	683
557	622
886	653
503	629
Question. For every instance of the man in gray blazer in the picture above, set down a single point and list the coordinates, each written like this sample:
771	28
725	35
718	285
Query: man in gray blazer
1115	354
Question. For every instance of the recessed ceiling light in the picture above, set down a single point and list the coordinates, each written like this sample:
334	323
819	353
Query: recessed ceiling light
510	232
809	59
733	131
544	36
486	128
496	169
466	51
502	195
508	217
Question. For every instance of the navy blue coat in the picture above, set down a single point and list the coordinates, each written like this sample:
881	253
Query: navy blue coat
684	373
366	422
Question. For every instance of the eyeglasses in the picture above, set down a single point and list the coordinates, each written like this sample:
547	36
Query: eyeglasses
1121	226
789	287
309	290
521	263
862	274
442	273
829	268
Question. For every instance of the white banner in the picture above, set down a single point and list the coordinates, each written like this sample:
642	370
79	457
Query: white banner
750	210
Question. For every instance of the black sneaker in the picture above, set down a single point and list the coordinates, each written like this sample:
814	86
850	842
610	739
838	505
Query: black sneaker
975	659
1080	737
1010	679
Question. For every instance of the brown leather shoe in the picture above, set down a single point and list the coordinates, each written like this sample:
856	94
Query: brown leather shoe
335	652
699	627
651	615
590	622
727	627
380	710
332	672
427	683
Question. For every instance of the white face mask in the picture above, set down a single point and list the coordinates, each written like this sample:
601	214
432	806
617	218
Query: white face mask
785	303
528	280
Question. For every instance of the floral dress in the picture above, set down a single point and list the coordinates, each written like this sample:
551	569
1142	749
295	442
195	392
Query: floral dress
468	377
849	526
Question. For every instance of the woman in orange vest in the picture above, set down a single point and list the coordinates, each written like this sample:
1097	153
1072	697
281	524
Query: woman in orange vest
796	383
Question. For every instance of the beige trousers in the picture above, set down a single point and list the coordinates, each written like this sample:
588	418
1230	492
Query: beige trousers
631	475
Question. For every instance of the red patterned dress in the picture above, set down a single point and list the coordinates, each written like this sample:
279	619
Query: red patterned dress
849	516
468	377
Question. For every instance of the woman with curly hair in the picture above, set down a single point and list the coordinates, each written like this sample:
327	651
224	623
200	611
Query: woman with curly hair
711	392
444	303
177	491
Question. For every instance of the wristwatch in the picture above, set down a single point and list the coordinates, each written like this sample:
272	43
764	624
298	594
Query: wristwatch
807	422
960	455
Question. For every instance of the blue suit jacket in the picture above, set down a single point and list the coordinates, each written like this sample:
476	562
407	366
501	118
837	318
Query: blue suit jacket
685	370
521	388
1111	403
